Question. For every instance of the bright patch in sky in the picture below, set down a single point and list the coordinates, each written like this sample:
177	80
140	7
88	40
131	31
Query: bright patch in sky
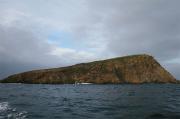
63	39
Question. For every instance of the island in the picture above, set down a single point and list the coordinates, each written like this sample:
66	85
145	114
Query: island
134	69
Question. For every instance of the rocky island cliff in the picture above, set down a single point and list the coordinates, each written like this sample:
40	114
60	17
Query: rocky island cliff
134	69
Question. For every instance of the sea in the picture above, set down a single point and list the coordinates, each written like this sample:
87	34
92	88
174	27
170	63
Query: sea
72	101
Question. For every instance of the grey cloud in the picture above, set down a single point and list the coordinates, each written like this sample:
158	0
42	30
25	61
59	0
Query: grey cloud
104	27
174	69
141	27
20	51
133	27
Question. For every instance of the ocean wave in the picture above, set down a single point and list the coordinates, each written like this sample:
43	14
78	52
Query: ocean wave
7	112
4	106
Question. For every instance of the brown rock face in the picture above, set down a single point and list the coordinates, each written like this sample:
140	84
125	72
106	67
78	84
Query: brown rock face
130	69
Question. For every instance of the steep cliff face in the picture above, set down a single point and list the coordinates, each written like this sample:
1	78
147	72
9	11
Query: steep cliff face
130	69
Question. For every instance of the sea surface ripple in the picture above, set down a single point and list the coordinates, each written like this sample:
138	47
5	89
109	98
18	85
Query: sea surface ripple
37	101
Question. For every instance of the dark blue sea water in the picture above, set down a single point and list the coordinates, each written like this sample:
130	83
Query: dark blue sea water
147	101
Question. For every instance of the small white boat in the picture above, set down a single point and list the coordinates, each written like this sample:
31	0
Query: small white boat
83	83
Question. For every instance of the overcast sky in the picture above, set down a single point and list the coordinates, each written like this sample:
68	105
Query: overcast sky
37	34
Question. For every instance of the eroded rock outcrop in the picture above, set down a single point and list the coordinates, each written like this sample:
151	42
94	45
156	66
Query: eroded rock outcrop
130	69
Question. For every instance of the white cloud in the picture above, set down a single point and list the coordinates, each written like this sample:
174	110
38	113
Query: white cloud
72	56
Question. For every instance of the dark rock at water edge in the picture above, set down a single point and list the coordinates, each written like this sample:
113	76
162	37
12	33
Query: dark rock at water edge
135	69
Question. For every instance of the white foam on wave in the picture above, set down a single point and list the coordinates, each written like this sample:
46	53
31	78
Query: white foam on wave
7	112
4	106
